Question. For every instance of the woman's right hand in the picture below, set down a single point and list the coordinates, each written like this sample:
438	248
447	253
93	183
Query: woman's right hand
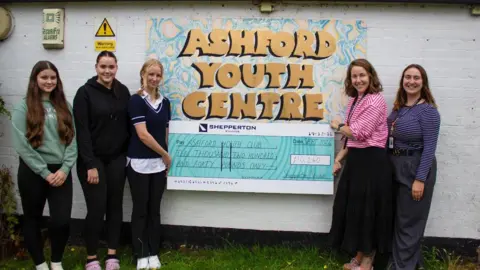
336	167
167	160
51	179
334	124
92	176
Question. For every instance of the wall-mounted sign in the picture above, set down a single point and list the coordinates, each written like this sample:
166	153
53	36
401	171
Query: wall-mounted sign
105	29
53	28
252	99
105	45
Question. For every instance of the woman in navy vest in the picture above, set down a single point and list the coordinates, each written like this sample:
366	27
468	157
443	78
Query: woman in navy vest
148	163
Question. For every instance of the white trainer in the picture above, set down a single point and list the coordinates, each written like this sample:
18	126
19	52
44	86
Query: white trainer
142	263
154	262
56	266
42	266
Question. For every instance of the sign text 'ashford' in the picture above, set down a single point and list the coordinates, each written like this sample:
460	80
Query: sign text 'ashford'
255	43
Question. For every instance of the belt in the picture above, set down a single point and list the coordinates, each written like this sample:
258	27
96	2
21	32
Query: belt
404	152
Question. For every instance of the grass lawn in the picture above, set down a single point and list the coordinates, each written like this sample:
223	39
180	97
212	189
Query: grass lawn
233	257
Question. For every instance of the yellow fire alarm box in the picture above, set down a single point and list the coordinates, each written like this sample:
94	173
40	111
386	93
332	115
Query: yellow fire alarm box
53	28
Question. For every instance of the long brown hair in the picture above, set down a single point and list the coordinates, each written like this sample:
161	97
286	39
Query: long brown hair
375	85
425	93
36	111
150	62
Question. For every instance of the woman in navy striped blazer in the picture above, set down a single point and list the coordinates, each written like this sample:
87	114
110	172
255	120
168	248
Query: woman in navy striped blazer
414	126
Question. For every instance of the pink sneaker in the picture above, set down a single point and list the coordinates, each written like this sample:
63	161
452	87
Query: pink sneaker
112	264
360	268
352	264
95	265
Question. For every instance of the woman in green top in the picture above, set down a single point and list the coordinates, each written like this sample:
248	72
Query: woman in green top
44	138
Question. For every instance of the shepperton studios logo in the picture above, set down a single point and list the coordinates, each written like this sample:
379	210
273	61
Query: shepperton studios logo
229	128
203	127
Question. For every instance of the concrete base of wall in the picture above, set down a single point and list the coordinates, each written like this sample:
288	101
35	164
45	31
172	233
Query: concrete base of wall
207	237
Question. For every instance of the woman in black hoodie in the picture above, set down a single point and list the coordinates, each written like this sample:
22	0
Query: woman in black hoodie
101	118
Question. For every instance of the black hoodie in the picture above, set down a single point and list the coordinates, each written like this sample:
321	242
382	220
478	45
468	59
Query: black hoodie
101	121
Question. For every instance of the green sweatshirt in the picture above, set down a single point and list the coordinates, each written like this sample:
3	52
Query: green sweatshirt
52	151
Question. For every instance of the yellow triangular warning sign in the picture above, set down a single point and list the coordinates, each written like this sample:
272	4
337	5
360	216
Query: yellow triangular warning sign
105	30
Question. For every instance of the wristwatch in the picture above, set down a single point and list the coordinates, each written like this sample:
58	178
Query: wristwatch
340	126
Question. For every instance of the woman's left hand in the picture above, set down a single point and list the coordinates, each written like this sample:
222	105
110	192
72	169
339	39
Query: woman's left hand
59	178
336	167
334	124
417	190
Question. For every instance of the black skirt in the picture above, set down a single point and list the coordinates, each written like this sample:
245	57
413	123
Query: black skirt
363	206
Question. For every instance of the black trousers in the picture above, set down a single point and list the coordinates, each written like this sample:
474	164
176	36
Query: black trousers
34	192
103	199
147	191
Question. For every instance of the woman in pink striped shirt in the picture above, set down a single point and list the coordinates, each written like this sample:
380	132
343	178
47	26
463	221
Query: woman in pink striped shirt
362	210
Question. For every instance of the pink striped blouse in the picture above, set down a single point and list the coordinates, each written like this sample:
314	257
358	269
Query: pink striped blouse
368	121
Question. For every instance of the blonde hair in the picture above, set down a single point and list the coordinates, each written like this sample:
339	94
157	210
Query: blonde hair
150	62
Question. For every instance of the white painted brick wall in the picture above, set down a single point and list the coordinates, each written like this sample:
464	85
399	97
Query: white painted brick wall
444	39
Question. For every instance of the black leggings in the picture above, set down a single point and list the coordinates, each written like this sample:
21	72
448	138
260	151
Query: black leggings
147	191
104	198
34	192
